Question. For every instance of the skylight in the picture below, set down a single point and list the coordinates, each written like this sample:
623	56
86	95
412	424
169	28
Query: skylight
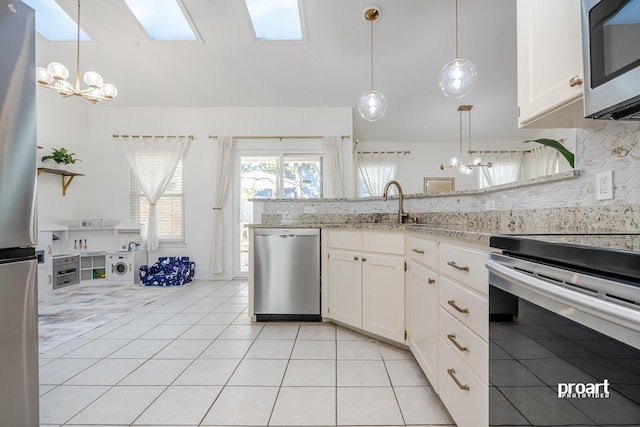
275	19
53	23
162	19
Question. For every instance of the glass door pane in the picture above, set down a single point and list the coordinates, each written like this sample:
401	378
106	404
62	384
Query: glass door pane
259	178
302	176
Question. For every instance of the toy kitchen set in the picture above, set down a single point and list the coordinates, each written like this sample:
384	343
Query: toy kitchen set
72	251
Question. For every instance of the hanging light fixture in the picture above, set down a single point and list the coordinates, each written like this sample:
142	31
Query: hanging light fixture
457	162
372	105
55	77
459	75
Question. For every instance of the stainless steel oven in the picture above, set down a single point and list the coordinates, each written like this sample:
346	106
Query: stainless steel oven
564	330
66	270
611	53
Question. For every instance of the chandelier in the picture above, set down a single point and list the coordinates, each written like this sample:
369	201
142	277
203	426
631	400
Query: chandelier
372	105
55	77
459	75
457	162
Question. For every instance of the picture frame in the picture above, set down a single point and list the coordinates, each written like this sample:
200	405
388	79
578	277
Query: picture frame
433	185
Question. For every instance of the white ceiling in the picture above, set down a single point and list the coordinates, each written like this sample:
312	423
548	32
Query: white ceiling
331	68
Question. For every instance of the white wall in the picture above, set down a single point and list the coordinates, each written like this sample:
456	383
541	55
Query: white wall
103	191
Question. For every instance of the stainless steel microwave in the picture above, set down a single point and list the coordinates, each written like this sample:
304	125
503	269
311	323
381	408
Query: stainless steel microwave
611	52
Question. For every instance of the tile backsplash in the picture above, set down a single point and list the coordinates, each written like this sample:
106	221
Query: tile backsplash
560	206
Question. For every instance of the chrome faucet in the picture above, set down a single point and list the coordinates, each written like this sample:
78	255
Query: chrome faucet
401	214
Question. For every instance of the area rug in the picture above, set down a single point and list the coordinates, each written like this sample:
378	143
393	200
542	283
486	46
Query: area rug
70	312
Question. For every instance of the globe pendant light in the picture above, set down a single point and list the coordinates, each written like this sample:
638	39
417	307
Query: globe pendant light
459	75
55	77
457	162
372	105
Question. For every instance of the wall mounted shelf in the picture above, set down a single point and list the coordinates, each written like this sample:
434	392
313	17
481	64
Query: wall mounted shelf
67	177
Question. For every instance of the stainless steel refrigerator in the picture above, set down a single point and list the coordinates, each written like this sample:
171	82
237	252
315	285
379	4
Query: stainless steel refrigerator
18	264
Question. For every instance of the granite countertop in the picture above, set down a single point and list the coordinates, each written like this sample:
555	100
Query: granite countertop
468	234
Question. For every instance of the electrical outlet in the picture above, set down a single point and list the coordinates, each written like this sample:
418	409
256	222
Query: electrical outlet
604	185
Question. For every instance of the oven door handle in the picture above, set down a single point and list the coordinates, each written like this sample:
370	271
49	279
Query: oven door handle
556	298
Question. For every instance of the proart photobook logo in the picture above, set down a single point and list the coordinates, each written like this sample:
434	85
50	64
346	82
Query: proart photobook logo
584	390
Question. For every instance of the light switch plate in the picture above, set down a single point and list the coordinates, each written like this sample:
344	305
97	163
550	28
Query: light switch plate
604	185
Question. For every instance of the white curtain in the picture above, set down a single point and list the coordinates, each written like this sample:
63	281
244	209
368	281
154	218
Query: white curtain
334	164
542	161
507	167
153	161
225	143
378	168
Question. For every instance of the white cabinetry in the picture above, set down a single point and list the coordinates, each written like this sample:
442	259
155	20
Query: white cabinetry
550	69
45	269
366	281
92	266
463	335
422	305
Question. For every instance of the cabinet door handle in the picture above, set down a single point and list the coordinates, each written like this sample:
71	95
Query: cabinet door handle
49	248
431	281
575	81
457	267
50	279
355	258
130	266
418	251
452	374
452	338
453	304
364	259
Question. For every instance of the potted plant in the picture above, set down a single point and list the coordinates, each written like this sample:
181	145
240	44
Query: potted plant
61	156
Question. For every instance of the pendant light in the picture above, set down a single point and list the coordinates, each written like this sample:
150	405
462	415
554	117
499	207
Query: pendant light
372	105
55	77
459	75
457	162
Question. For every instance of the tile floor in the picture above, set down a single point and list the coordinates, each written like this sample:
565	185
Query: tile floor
193	358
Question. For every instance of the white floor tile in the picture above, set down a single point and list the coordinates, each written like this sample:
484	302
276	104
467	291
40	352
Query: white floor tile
230	308
202	332
314	350
60	404
391	352
199	307
270	349
302	406
343	333
60	370
106	372
367	406
406	373
171	308
310	373
359	373
128	332
151	319
45	389
218	319
358	350
180	405
165	332
156	372
421	405
97	349
259	372
279	331
183	349
140	349
222	349
245	406
184	319
208	372
119	405
241	332
317	331
65	348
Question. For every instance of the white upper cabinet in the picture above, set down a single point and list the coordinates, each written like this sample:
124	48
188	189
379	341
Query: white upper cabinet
550	69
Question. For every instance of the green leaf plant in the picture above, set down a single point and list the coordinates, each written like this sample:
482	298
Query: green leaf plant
61	155
558	146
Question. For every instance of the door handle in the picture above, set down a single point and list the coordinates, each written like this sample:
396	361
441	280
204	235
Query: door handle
457	267
453	304
452	338
418	251
575	81
452	374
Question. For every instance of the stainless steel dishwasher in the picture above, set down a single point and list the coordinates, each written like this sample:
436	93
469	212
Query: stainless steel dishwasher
287	274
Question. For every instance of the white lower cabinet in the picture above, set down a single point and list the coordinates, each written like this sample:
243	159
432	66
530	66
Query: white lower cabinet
422	318
345	287
45	279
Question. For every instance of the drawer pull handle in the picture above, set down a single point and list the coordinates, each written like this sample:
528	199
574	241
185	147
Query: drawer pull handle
355	258
418	251
452	338
457	267
364	259
575	81
453	304
452	374
431	281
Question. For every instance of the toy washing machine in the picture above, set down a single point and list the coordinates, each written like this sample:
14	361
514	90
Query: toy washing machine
122	266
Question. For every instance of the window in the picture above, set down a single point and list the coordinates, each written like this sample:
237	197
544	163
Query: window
275	19
53	23
170	207
375	169
162	19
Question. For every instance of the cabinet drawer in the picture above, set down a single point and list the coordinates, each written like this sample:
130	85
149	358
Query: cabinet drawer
423	251
466	306
342	239
467	400
465	265
383	242
466	344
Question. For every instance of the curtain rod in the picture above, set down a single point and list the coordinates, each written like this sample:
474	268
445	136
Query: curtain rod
153	136
383	152
280	137
498	152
